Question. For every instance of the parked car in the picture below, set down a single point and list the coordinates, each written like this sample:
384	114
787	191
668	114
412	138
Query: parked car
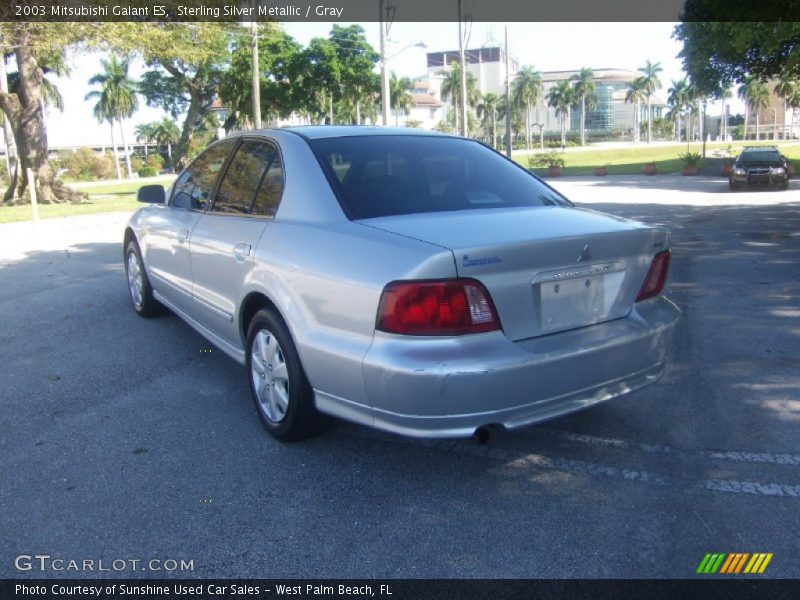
413	282
760	166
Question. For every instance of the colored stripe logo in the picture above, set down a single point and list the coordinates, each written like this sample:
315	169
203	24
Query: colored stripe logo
734	563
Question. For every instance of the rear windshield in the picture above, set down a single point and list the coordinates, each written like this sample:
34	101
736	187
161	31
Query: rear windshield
377	176
761	156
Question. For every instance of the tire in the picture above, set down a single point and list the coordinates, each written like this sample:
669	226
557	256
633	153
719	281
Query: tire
784	186
278	385
139	290
734	187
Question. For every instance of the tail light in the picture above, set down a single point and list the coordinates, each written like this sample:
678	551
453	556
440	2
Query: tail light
441	307
656	276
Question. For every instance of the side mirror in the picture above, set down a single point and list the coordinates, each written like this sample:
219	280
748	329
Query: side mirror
152	194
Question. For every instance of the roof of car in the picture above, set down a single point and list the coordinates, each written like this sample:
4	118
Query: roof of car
760	149
314	132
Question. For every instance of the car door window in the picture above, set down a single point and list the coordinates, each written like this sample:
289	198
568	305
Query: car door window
196	184
271	189
242	178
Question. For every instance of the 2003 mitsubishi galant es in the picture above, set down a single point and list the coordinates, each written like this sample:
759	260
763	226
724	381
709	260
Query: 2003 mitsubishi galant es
417	283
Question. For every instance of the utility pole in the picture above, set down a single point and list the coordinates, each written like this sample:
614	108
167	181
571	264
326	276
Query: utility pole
508	101
384	74
464	127
255	75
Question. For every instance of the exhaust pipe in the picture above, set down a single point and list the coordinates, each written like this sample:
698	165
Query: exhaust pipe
482	435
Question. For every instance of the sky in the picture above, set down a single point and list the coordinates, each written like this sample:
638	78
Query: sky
545	46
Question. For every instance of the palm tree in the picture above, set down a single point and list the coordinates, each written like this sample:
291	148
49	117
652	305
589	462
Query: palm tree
166	133
724	96
399	97
584	93
117	96
786	88
488	109
755	96
101	112
451	88
145	133
651	83
562	97
678	98
636	94
526	92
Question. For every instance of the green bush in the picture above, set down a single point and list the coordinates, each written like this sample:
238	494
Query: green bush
147	172
691	159
546	159
84	164
156	161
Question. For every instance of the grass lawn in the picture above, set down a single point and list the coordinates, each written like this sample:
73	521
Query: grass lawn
630	161
103	197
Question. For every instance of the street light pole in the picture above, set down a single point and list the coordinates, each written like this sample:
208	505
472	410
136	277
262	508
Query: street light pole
384	74
464	127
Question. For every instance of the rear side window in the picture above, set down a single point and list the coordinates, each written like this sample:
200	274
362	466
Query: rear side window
196	184
253	181
376	176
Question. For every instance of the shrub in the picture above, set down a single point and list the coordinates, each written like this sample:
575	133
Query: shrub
156	161
84	164
147	172
691	159
546	159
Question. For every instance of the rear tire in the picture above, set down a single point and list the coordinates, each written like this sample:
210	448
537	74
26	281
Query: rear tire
139	290
278	384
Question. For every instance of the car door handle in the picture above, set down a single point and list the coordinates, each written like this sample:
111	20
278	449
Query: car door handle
240	251
183	235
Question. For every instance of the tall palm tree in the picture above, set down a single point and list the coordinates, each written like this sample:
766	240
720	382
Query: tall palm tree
101	112
786	88
145	133
487	109
678	98
755	96
399	97
526	92
652	83
451	89
117	96
794	103
585	94
635	95
562	98
724	96
166	133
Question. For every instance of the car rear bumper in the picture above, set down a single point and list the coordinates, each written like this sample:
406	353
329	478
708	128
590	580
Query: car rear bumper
448	387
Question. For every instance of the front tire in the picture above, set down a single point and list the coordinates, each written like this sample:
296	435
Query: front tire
734	187
279	386
139	289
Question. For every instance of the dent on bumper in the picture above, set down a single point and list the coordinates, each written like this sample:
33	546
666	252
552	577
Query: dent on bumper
448	387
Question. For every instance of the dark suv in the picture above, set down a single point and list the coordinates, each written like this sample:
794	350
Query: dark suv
759	165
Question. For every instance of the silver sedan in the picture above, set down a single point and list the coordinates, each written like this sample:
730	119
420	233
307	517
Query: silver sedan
417	283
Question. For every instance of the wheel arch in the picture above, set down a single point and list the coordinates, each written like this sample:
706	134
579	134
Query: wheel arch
252	303
129	235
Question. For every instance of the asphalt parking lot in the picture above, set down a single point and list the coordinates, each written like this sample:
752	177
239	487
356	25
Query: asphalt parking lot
133	439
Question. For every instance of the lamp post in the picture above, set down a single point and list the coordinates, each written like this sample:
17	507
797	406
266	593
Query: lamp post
385	25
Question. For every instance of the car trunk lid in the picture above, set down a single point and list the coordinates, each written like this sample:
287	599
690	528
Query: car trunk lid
547	269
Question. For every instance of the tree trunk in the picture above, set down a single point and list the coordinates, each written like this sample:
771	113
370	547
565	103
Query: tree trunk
746	120
649	121
758	133
116	150
12	164
24	112
193	115
583	120
125	149
494	127
528	136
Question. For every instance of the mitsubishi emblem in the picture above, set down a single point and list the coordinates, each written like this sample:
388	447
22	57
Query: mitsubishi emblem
585	255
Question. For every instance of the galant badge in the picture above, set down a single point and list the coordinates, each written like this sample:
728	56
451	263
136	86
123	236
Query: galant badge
585	254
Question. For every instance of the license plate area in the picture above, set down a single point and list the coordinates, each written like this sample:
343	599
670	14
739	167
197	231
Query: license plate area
572	302
578	297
